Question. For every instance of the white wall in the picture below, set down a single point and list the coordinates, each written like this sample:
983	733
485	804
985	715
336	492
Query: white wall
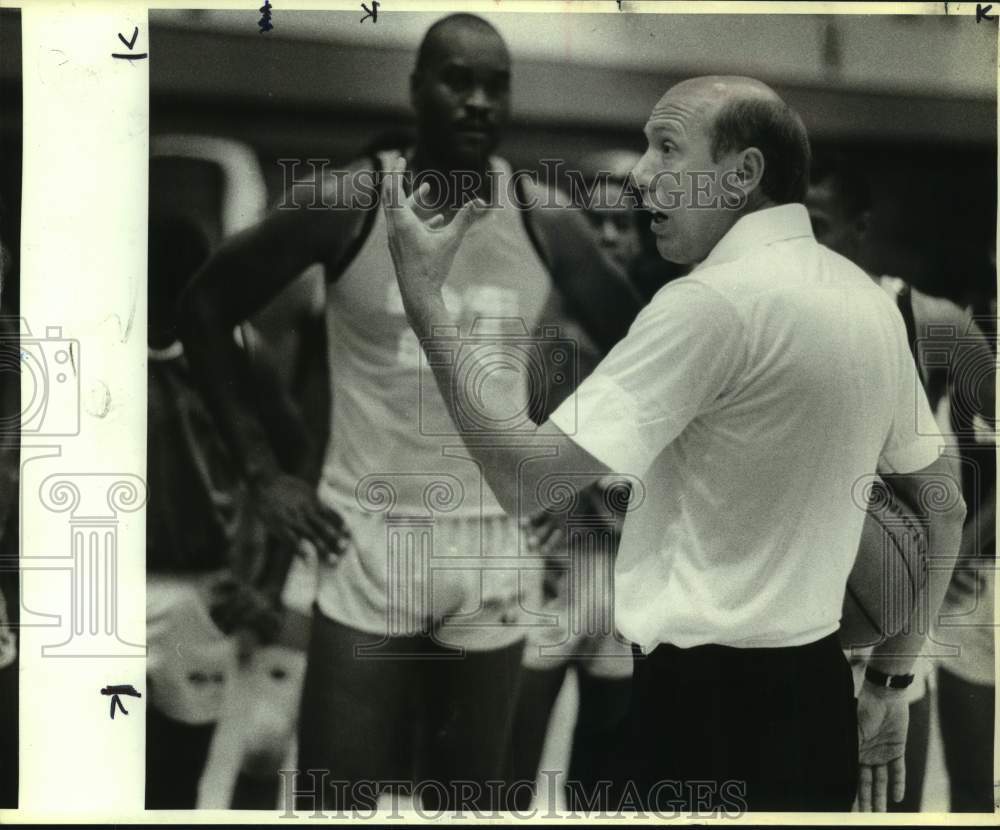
903	54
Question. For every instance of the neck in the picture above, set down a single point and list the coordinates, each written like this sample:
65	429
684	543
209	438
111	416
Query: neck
450	174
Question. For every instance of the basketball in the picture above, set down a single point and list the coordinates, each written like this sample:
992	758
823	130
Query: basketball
889	570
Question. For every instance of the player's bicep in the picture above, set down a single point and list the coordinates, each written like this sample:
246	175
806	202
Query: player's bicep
596	291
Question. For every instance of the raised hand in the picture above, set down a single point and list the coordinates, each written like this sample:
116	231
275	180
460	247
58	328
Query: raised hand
422	251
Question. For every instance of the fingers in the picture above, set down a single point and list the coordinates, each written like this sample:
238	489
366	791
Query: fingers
470	213
865	789
897	775
879	788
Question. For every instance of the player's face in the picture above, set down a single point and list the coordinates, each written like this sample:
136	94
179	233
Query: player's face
832	224
683	186
618	233
462	99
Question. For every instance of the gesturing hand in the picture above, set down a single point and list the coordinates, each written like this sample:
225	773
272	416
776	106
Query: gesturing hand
422	251
290	509
883	720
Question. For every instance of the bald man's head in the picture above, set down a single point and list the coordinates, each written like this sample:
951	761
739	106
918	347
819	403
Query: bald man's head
718	147
446	36
460	90
743	112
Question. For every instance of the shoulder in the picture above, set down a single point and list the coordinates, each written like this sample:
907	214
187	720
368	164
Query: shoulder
696	301
929	310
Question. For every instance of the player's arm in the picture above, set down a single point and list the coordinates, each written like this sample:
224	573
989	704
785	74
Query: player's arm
927	484
597	293
934	496
246	272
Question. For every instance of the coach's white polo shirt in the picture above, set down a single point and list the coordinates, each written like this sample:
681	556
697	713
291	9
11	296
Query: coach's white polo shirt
751	397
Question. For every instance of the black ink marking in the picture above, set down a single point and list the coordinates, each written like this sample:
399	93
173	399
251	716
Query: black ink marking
372	12
619	5
983	13
129	44
114	692
265	17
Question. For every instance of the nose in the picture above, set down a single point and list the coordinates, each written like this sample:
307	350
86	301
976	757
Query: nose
478	100
609	232
641	173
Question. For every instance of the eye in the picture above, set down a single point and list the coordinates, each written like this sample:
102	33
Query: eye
457	78
498	85
668	147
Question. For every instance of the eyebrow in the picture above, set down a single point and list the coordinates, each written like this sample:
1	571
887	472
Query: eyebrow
456	63
667	130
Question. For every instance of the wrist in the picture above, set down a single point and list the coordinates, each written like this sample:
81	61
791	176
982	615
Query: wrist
426	312
887	684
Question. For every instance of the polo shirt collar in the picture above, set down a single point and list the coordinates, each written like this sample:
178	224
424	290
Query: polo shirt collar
762	227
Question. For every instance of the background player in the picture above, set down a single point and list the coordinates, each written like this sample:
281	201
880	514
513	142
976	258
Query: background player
201	540
961	394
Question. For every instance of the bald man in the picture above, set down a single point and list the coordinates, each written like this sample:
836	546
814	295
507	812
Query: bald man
414	661
749	398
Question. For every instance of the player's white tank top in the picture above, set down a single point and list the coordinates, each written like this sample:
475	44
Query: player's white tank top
390	429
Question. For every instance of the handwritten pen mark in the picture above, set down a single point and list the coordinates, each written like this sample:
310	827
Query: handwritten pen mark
372	12
983	13
115	691
130	44
265	19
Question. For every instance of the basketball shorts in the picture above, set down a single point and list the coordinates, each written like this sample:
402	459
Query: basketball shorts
580	625
189	660
466	582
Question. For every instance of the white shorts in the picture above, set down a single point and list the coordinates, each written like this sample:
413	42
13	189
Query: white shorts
581	628
189	660
468	582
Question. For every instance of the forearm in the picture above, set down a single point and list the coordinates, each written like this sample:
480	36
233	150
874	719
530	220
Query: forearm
944	537
513	465
222	373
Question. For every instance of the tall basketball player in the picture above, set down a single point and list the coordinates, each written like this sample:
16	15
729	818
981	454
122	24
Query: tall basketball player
413	664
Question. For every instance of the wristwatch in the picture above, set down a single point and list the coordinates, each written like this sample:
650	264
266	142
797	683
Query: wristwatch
887	681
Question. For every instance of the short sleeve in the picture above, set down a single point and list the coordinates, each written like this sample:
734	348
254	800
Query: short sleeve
680	356
914	440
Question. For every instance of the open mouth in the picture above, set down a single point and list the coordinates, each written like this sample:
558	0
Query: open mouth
659	218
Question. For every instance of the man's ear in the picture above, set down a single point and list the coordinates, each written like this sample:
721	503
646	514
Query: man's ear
749	171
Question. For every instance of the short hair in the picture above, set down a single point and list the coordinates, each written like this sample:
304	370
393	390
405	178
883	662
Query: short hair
430	40
848	179
776	130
